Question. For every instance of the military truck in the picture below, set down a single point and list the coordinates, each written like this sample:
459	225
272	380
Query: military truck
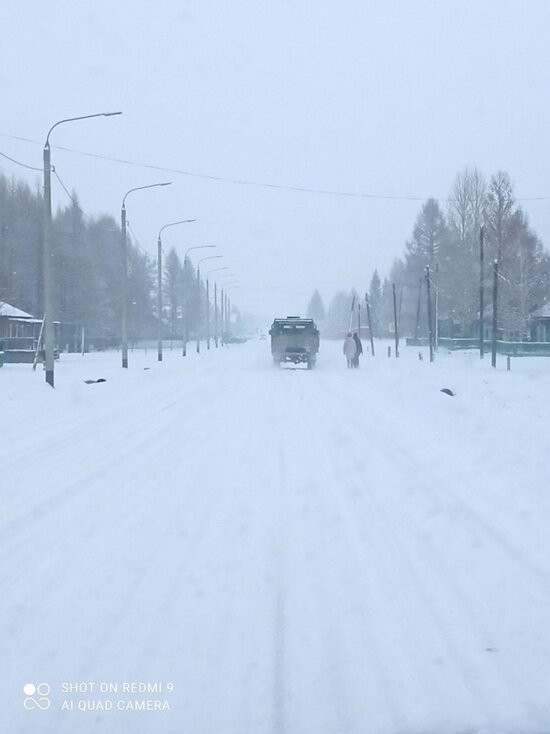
294	340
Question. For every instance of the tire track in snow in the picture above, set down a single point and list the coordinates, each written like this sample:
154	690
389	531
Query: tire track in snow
368	584
126	496
124	437
213	506
141	439
222	679
442	580
308	631
279	641
433	484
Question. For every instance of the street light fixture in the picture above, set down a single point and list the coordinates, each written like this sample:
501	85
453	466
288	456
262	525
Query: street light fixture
209	257
184	325
214	270
49	333
124	263
159	280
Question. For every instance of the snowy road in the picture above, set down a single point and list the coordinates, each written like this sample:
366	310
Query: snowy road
324	552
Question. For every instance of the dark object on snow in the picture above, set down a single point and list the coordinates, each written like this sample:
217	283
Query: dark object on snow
447	391
93	382
146	368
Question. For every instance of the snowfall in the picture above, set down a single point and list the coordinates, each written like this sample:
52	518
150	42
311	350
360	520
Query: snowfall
259	550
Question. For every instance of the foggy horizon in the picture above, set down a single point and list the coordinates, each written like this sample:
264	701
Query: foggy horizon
390	101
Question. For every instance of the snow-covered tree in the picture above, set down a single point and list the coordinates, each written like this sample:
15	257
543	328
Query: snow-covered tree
375	301
316	308
459	252
339	313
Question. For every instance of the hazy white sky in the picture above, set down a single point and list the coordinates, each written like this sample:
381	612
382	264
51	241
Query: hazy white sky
387	98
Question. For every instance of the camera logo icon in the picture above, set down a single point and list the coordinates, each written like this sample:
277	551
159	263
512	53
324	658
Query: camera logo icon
36	696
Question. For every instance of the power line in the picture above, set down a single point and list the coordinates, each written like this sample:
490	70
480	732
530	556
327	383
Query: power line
87	216
23	165
71	197
137	242
227	179
248	182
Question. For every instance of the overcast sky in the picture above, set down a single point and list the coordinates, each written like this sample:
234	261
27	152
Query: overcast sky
385	98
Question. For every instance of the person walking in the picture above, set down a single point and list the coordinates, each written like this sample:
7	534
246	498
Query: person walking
350	349
358	349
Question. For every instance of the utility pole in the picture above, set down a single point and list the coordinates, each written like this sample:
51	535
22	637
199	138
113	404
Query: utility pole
395	326
430	323
228	314
216	314
159	280
212	270
185	325
222	296
159	298
49	329
370	323
209	257
207	313
198	308
417	326
124	267
124	271
436	315
495	320
48	323
225	315
481	294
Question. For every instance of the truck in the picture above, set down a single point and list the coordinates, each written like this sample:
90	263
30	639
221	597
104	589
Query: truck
294	340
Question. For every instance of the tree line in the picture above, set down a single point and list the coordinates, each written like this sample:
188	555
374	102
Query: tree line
448	242
87	271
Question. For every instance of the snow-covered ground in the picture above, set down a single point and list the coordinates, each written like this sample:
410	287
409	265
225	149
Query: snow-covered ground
296	552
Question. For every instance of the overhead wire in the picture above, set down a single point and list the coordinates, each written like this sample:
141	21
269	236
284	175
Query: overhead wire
250	182
137	242
23	165
87	216
71	197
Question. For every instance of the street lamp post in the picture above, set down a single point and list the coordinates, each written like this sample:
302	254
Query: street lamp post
185	325
216	313
223	301
216	321
48	324
159	280
232	284
481	293
209	257
215	270
124	265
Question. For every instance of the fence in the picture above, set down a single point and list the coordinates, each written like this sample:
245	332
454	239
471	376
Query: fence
512	349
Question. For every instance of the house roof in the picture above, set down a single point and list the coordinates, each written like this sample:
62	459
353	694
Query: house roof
12	312
542	313
21	320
